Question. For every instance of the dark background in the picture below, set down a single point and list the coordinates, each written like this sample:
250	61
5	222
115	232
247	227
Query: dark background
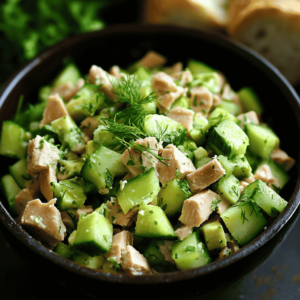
277	279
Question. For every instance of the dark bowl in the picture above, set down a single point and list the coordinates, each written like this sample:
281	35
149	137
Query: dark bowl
123	45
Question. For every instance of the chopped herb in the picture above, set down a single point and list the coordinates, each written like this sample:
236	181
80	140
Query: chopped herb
155	222
119	210
108	178
190	249
130	162
177	173
215	203
164	207
41	146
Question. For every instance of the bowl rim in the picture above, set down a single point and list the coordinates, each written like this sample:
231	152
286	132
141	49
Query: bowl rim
220	40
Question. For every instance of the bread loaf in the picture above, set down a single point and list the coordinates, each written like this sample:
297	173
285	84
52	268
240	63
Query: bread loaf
272	28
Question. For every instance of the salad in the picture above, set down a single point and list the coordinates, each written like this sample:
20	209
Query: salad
146	170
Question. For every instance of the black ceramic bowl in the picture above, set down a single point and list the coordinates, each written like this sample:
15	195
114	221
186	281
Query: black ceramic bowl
123	45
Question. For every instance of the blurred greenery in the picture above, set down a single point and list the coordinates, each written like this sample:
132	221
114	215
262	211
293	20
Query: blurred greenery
27	27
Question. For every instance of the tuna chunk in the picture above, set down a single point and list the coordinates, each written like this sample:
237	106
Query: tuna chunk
85	210
22	199
68	221
184	77
205	175
55	109
152	60
163	83
117	216
40	155
265	174
45	178
178	67
216	100
183	116
132	161
68	90
134	263
89	125
201	100
179	165
165	101
44	221
183	232
165	249
34	187
231	244
223	205
197	208
243	184
249	117
100	77
281	158
119	243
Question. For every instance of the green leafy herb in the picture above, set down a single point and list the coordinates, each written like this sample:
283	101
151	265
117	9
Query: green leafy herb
41	146
108	178
215	203
190	249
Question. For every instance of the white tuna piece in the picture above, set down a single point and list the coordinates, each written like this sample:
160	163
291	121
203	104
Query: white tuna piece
184	77
165	101
163	83
55	109
265	174
281	158
45	178
183	232
166	251
132	161
119	243
40	155
223	205
117	216
152	60
89	125
183	116
248	117
201	100
22	199
205	175
197	208
134	263
242	186
68	90
178	165
44	220
85	210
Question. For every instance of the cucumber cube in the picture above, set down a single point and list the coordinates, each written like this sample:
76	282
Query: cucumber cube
220	114
69	73
242	167
94	234
12	143
102	166
244	222
19	172
214	235
265	197
199	131
197	67
70	194
262	139
228	139
152	222
190	253
171	197
231	107
250	100
139	190
228	187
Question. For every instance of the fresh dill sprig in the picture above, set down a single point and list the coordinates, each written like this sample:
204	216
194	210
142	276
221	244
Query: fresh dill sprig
122	131
143	149
241	205
127	91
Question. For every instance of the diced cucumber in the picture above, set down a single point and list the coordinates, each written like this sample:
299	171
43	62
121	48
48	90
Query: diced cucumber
174	133
190	253
227	164
91	146
228	187
200	153
10	189
69	193
93	262
262	139
105	138
94	234
197	67
70	168
182	101
85	103
250	100
265	197
12	143
244	222
199	131
143	74
44	93
152	222
102	166
69	133
69	73
139	190
171	197
220	114
228	139
19	172
242	167
231	107
63	250
253	160
202	161
214	235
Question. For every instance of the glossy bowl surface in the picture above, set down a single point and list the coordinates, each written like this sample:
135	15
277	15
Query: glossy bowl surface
122	45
